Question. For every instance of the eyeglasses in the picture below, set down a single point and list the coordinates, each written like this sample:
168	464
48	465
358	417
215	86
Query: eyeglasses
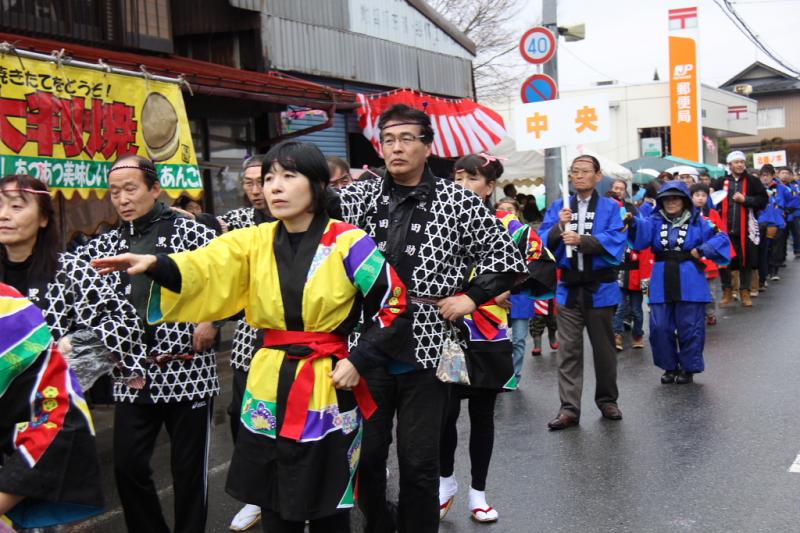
405	140
249	184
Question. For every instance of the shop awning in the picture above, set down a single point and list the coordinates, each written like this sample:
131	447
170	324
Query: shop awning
203	77
462	126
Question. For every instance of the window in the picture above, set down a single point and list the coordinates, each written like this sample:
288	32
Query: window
771	118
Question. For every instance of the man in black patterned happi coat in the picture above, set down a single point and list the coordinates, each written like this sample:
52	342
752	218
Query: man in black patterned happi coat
433	232
181	372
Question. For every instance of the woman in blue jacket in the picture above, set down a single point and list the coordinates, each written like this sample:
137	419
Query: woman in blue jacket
680	237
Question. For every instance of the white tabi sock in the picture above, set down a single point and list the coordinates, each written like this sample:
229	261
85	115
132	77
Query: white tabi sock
448	486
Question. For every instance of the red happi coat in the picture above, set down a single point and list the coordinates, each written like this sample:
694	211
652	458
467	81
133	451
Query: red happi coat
632	279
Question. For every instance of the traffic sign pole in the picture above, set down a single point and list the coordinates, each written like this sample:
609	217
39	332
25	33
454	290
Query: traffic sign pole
553	174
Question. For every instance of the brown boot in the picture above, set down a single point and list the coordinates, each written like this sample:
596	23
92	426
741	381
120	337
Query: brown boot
735	279
744	297
727	298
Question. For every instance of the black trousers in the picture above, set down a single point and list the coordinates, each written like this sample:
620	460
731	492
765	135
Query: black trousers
238	384
271	522
136	427
418	399
481	434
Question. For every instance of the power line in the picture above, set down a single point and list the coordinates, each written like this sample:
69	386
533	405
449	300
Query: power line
730	12
573	54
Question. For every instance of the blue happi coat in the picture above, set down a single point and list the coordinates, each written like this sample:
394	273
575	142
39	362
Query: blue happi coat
793	205
780	197
609	229
699	232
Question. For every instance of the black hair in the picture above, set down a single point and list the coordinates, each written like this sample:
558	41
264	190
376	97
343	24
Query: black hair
183	200
44	263
306	159
147	167
767	169
531	211
404	113
786	169
651	189
508	188
586	157
699	187
474	164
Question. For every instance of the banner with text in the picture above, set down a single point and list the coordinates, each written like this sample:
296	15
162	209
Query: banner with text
67	125
776	158
684	85
562	122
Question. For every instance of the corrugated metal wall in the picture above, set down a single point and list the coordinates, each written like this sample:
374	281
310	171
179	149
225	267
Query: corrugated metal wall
301	47
329	13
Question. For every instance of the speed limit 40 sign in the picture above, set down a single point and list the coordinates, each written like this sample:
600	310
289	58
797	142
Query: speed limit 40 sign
538	45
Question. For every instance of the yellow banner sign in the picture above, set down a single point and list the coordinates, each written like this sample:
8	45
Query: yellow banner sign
67	125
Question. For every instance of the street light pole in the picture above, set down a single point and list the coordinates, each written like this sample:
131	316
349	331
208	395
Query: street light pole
552	156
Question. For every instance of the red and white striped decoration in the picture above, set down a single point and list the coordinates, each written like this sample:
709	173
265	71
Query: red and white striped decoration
542	307
462	126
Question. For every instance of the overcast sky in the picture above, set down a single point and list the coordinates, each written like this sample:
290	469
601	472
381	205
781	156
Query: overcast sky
626	40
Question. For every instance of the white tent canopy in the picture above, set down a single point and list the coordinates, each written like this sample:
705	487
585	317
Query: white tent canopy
518	165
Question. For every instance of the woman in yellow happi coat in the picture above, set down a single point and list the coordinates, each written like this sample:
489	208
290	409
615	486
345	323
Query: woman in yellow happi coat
305	280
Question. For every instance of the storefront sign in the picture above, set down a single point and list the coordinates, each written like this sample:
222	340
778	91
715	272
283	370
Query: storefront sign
67	125
562	122
684	88
776	159
652	147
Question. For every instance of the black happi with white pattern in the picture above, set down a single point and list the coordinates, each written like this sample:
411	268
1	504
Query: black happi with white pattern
78	298
458	232
176	380
244	217
245	337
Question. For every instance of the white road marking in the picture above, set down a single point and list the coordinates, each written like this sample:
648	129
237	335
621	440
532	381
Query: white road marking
795	468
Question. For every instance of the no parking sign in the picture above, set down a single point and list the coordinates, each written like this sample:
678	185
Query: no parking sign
538	45
539	88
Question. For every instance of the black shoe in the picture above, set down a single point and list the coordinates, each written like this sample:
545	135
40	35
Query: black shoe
668	377
684	377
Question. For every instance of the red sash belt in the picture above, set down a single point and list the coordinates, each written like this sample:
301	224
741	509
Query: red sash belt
321	345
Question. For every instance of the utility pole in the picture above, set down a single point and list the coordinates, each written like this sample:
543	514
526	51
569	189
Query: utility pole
552	156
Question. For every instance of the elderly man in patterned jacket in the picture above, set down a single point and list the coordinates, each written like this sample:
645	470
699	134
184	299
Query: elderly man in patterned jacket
181	373
433	232
246	339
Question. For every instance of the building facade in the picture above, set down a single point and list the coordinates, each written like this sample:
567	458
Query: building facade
778	121
257	71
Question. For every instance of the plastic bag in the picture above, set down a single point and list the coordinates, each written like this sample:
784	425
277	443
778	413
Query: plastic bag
89	358
453	363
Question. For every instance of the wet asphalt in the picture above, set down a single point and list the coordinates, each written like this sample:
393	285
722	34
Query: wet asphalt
713	456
